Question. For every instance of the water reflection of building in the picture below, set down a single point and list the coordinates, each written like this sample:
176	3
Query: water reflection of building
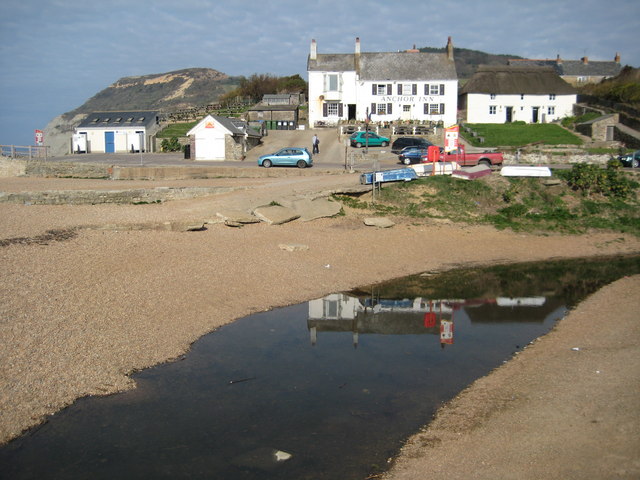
340	312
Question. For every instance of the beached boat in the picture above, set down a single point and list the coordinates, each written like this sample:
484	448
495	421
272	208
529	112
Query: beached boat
396	175
525	171
472	173
438	168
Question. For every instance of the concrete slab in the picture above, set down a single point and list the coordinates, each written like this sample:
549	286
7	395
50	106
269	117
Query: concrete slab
380	222
276	214
314	209
237	216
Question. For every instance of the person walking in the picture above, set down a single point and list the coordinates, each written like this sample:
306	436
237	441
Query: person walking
316	142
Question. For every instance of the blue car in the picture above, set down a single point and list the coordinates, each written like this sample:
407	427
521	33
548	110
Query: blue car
361	139
290	156
410	155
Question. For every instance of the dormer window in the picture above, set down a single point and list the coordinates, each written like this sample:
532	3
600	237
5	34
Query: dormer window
493	96
118	120
106	120
141	119
130	119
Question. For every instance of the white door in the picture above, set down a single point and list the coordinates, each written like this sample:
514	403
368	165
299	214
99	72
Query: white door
406	112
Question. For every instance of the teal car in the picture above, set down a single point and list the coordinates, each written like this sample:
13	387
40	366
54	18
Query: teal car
290	156
361	139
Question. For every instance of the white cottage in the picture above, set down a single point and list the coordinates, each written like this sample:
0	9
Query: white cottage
221	138
115	132
503	94
387	87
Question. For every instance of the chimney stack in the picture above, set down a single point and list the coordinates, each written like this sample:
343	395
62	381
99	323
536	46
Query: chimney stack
357	45
585	60
449	49
356	57
617	58
558	60
313	53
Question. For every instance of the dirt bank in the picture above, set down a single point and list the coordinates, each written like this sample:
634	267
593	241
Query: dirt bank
79	315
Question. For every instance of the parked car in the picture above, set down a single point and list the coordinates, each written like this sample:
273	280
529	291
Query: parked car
402	142
630	159
414	154
360	139
290	156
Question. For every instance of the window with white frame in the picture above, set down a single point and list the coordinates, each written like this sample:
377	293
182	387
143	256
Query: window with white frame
434	89
551	110
381	109
332	109
493	96
331	82
407	89
406	108
434	108
381	89
552	96
492	110
522	96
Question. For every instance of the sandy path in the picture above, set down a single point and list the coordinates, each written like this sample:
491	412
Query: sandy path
79	315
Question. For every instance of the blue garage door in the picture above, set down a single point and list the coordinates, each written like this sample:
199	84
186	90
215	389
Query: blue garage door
109	142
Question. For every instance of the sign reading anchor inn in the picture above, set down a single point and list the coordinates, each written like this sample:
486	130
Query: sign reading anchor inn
407	99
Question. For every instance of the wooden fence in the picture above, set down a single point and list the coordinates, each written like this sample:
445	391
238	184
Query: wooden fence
25	151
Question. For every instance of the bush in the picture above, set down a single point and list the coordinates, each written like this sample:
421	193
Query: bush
591	179
170	145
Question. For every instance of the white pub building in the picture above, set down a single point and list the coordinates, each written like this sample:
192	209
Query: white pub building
408	85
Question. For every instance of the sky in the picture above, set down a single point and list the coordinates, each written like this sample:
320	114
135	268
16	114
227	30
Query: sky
56	54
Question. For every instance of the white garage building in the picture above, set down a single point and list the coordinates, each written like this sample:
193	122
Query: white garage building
409	85
221	138
115	132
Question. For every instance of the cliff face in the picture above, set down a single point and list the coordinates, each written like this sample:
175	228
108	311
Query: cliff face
163	91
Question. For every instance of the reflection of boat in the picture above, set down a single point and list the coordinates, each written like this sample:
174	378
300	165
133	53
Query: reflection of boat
520	301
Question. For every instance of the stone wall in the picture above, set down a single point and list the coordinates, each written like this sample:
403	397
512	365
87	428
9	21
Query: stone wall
12	168
549	159
67	170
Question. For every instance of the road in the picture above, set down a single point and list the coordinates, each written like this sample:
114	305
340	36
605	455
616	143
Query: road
333	153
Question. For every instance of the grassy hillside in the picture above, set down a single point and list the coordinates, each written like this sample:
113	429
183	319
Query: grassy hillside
586	198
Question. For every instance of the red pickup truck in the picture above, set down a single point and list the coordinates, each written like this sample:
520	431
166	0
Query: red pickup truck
464	159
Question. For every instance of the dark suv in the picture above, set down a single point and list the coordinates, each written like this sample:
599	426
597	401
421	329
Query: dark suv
401	142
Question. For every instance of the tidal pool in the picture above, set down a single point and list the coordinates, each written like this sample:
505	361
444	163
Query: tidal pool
328	389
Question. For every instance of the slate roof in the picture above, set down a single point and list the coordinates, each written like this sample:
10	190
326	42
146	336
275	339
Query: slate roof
398	66
127	118
575	68
261	107
236	127
509	80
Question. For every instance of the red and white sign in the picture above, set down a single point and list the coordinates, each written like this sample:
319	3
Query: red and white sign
39	134
451	135
446	332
